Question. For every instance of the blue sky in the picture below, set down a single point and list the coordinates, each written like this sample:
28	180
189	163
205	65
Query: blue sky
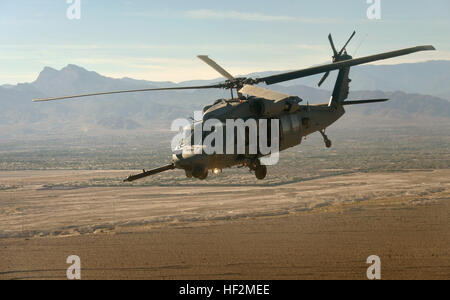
159	40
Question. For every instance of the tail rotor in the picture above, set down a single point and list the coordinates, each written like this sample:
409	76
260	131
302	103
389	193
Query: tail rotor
337	56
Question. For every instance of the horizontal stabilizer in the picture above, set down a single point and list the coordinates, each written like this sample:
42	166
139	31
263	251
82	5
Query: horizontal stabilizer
149	173
364	101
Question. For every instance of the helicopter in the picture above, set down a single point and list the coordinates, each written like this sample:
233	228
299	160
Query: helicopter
253	102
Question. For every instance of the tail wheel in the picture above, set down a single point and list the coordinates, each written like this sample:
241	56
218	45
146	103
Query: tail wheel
261	172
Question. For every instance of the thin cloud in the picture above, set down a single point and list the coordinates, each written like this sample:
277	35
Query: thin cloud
208	14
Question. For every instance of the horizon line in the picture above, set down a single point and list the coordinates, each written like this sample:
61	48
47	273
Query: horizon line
207	79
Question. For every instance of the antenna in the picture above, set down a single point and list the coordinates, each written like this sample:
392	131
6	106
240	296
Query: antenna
360	44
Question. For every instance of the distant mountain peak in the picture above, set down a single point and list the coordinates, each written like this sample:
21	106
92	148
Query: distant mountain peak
71	77
46	74
49	69
51	73
72	67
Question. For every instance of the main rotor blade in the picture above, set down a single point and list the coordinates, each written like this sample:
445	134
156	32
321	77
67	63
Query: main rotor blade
338	65
263	93
216	67
346	44
217	86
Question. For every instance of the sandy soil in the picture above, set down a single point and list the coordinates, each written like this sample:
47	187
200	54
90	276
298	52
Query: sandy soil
317	229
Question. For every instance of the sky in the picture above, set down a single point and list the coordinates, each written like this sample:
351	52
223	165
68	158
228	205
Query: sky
159	40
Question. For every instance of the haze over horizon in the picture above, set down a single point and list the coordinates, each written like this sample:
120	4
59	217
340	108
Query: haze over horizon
158	41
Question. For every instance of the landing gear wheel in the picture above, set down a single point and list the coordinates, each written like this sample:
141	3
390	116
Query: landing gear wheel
327	141
200	172
261	172
204	176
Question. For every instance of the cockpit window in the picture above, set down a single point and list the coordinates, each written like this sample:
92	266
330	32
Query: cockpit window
188	132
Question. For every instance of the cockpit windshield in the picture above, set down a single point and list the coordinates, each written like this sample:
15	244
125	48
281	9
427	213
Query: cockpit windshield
188	132
188	138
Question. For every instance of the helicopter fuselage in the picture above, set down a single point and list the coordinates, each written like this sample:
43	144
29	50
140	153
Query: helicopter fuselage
293	127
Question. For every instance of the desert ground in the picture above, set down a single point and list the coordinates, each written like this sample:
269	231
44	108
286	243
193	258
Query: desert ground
316	228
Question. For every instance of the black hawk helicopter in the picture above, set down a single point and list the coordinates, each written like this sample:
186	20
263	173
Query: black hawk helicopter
295	120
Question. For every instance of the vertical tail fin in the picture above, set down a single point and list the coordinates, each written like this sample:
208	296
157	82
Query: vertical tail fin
341	88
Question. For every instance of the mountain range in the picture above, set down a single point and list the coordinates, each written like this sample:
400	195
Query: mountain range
417	92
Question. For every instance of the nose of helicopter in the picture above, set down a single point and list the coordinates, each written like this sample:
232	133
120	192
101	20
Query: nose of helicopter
176	159
188	158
